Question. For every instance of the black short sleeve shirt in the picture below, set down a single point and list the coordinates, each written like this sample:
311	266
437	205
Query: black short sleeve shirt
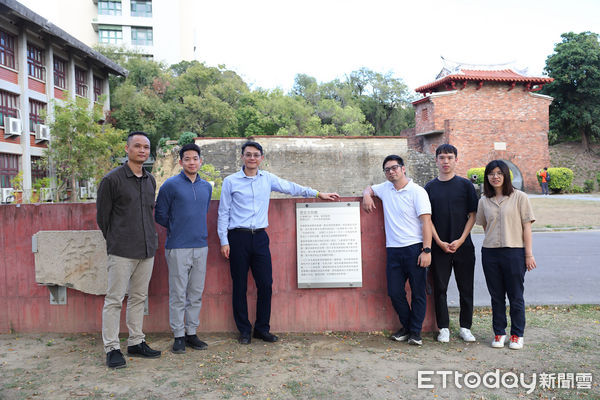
451	203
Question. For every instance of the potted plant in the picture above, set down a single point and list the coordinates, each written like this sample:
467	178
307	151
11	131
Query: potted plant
17	185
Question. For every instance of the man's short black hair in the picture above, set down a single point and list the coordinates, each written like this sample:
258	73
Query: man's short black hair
393	157
132	134
189	146
446	148
252	144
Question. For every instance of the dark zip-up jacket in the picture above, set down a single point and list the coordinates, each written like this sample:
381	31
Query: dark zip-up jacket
124	212
181	207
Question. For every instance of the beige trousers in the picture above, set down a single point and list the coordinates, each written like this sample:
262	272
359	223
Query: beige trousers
125	275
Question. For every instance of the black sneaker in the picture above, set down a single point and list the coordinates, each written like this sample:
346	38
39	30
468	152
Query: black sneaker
400	336
415	339
179	345
195	343
142	350
115	359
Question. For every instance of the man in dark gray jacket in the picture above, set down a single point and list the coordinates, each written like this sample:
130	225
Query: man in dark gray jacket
125	207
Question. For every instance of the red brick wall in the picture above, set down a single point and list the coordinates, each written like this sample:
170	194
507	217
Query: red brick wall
10	139
59	93
9	75
473	119
36	85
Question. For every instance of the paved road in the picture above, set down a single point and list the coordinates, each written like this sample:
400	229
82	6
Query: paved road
568	270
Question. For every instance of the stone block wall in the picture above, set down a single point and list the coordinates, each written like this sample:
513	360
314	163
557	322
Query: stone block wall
345	165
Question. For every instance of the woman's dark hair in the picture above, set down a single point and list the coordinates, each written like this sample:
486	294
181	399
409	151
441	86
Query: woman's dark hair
507	187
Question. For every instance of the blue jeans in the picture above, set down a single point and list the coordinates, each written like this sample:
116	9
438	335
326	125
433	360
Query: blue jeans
504	269
402	265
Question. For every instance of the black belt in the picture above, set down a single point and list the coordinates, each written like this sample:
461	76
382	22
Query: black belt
252	231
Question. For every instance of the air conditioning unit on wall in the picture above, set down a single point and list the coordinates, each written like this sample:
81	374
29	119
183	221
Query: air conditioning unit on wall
12	127
42	133
7	195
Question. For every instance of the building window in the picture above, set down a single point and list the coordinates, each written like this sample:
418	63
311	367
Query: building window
7	50
9	168
141	8
141	36
36	109
109	7
8	106
80	82
97	88
110	35
35	62
37	169
60	73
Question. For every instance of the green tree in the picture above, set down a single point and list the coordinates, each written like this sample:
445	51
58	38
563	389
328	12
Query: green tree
575	67
81	148
384	100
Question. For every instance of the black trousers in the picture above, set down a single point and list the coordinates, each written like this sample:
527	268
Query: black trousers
250	250
401	265
442	264
504	269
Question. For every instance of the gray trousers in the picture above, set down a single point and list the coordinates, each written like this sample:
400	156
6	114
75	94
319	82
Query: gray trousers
187	272
125	275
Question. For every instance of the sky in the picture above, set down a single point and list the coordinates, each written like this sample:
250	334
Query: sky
268	42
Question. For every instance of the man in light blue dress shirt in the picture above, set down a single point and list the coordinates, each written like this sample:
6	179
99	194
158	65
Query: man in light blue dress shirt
243	211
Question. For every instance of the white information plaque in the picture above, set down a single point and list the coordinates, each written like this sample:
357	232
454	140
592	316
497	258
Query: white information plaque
328	245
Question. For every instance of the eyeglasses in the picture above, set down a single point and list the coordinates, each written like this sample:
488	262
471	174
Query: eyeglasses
495	175
392	168
252	155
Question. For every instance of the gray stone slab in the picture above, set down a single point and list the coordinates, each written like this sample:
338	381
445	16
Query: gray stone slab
75	259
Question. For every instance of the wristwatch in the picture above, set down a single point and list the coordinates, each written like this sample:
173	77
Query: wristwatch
426	250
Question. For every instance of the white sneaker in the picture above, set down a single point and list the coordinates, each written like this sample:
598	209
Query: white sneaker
444	335
498	341
466	335
516	342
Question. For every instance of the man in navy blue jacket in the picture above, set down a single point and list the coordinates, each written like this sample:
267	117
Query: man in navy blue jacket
181	207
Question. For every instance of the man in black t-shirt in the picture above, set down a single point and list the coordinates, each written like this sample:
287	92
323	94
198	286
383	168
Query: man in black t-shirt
453	208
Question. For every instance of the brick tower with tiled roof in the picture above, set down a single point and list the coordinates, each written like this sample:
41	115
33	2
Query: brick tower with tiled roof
487	113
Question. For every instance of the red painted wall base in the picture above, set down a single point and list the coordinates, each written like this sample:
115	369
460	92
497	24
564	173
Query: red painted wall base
25	306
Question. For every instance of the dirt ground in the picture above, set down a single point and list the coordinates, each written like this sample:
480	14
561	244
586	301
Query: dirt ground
312	366
584	164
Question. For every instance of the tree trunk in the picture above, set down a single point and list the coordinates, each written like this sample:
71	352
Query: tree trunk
585	140
74	190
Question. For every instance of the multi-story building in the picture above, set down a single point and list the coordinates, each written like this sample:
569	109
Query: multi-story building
159	29
40	64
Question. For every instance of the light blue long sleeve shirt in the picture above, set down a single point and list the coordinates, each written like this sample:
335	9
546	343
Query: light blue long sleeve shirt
245	200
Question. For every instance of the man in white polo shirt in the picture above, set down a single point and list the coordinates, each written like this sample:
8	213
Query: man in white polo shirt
407	217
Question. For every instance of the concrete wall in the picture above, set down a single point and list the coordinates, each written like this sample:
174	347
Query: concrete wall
345	165
25	307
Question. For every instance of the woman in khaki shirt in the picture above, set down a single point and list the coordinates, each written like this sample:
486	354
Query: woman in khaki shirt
506	216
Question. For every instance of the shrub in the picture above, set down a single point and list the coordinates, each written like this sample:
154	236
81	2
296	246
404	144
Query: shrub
575	189
598	178
588	186
186	138
560	179
162	142
479	172
476	171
